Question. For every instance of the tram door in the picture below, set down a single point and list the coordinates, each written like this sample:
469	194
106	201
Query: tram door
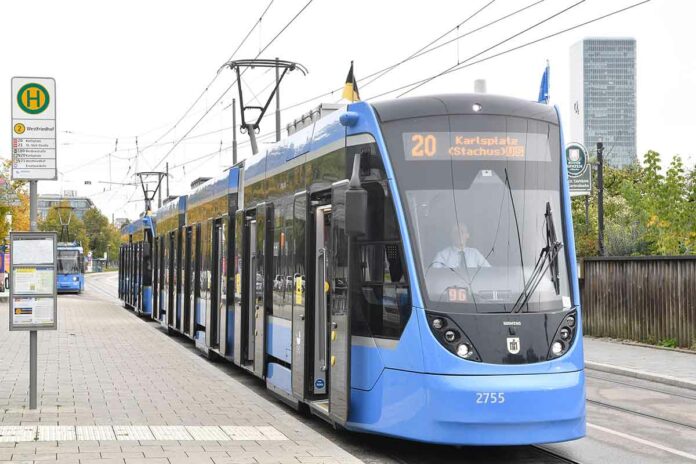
252	297
212	334
322	234
188	280
331	315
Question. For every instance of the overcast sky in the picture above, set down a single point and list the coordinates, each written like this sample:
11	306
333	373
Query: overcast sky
132	68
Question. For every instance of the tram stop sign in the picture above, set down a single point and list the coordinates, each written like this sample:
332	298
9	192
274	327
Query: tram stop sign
34	128
579	171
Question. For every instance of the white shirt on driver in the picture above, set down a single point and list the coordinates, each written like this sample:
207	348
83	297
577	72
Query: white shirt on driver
451	256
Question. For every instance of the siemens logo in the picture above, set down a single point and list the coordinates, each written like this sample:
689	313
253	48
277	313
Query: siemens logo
512	323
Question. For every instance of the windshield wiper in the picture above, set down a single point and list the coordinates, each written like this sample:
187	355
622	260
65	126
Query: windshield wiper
548	258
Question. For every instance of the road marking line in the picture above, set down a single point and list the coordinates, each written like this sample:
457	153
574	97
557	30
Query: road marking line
644	442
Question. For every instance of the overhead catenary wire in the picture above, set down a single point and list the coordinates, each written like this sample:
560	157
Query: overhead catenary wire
422	52
464	65
388	69
468	63
507	39
288	24
377	74
215	77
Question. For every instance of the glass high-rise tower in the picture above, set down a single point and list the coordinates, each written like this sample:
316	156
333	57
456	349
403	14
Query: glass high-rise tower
603	97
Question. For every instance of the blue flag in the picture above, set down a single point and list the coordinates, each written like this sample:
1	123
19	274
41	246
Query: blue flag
544	88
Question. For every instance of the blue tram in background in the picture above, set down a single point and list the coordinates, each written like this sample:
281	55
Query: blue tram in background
404	268
135	265
71	267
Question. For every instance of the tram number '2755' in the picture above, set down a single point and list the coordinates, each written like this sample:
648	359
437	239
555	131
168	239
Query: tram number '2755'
490	397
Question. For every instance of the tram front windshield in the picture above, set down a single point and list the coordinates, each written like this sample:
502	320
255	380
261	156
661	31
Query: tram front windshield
68	262
477	189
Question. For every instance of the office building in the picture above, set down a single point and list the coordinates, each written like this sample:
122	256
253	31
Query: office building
603	97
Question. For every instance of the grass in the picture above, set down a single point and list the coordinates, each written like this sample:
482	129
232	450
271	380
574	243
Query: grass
669	343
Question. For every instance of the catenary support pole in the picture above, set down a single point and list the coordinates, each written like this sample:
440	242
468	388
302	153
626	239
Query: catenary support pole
277	99
234	131
33	335
600	197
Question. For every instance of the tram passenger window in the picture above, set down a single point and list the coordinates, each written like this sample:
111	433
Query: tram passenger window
384	293
383	301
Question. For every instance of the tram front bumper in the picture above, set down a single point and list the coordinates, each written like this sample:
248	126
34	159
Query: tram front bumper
473	410
67	284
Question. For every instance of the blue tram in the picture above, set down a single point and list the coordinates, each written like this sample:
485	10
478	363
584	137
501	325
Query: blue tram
135	265
71	267
405	268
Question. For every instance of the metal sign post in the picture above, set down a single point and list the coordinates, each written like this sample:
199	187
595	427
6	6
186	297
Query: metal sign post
33	103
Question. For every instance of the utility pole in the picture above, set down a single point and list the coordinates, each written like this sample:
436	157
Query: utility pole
167	173
234	131
600	197
277	99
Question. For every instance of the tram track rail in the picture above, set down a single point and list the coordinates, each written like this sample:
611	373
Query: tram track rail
642	414
667	390
553	454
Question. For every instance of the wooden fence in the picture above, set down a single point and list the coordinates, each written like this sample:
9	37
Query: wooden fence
646	298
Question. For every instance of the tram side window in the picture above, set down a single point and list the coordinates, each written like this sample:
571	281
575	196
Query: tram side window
282	286
382	293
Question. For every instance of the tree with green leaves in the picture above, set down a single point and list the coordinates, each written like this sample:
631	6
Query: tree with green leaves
645	212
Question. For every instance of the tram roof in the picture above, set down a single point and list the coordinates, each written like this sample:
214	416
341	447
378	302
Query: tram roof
463	104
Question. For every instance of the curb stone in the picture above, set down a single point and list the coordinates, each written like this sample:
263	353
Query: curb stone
663	379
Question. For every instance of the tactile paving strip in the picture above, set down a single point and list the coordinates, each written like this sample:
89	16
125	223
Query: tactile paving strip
207	433
170	432
95	432
133	432
12	433
56	433
22	433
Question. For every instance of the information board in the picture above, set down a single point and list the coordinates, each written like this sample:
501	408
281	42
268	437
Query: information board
34	128
579	170
33	302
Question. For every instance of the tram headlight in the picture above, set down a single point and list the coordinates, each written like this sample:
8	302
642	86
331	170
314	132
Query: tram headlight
463	350
451	336
75	279
565	333
570	320
438	323
557	348
476	107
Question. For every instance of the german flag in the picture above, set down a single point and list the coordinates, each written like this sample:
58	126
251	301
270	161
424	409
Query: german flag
350	90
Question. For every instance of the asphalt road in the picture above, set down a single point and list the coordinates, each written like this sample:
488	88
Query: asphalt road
629	421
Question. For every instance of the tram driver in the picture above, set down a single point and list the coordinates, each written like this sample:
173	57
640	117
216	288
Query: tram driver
458	254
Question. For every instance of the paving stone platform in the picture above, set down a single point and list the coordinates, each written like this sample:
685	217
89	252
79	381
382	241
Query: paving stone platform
115	389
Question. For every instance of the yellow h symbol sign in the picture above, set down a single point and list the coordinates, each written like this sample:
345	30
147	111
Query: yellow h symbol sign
33	98
33	95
